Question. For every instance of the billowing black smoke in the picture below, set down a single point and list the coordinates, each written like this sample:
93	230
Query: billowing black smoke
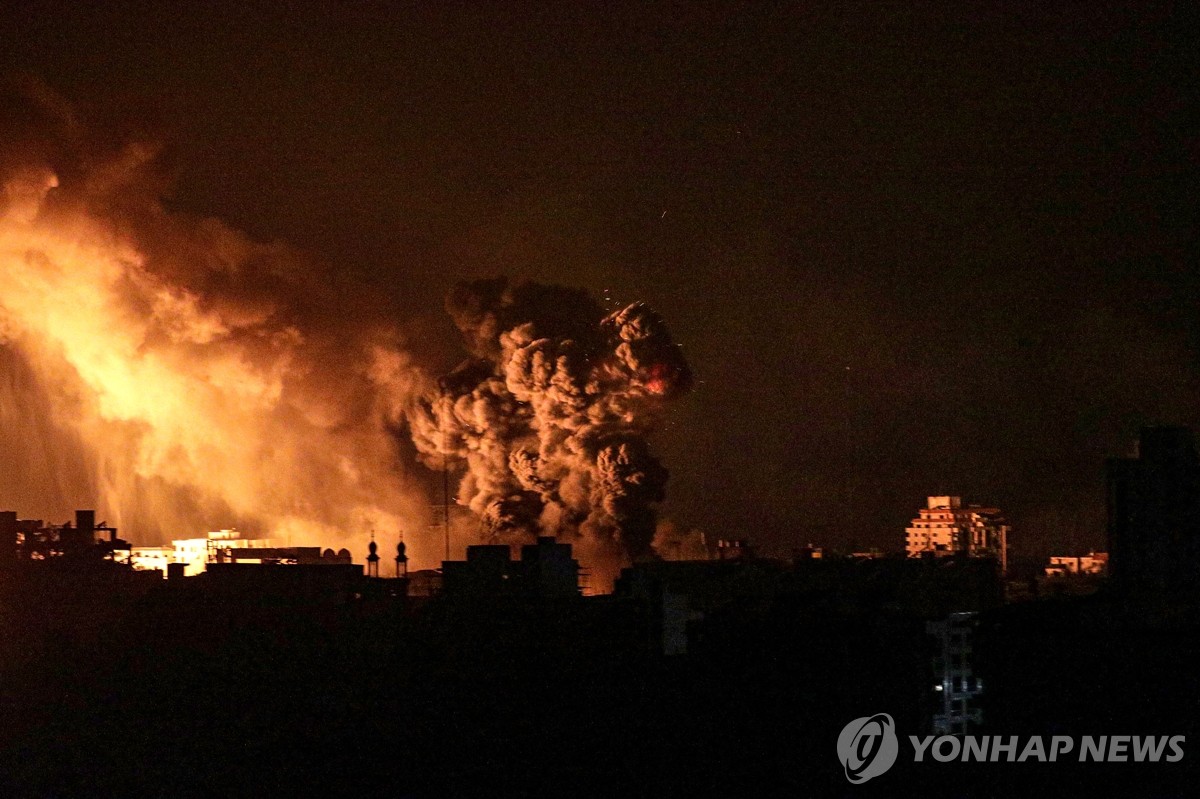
551	416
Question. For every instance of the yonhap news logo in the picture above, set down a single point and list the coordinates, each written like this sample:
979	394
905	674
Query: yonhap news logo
868	747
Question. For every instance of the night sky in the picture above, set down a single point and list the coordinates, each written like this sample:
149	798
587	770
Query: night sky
906	251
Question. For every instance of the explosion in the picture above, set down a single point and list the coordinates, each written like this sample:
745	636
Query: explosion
551	417
182	377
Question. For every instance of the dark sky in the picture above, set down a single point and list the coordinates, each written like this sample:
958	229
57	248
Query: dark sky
907	250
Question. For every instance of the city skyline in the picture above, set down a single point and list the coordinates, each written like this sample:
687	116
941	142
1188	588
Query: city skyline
598	399
945	251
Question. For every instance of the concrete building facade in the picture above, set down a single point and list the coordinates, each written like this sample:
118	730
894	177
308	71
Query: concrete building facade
946	527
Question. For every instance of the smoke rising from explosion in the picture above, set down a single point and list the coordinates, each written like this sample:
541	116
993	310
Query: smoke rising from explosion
551	417
179	377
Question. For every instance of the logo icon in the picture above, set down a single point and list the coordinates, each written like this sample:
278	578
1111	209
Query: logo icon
867	747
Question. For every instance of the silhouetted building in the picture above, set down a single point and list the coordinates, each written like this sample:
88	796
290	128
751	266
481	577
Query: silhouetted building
485	571
1154	512
372	559
668	612
325	582
944	527
33	539
8	538
401	558
424	583
545	569
548	568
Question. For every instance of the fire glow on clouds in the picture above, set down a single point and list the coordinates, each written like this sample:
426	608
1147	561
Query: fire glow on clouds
195	379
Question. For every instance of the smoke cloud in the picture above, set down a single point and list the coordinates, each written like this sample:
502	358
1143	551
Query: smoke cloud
180	376
672	543
551	417
177	375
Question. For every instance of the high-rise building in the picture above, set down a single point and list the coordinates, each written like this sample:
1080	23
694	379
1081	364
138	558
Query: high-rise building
945	527
1154	511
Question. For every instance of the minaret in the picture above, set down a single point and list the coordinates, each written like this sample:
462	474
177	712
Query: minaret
372	558
401	557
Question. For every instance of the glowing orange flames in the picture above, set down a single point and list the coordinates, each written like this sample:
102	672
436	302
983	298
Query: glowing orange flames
195	400
180	377
659	379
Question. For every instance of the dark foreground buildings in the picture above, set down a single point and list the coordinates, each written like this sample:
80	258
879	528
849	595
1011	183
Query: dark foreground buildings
1154	514
726	677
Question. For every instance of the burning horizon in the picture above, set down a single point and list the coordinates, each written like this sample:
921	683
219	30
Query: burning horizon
189	371
179	377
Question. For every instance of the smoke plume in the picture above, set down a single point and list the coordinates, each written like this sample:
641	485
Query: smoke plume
672	543
551	416
177	375
180	376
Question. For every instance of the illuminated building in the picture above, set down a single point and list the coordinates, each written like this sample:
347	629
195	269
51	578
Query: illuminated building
194	553
228	546
152	558
734	549
1092	563
944	527
1154	511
